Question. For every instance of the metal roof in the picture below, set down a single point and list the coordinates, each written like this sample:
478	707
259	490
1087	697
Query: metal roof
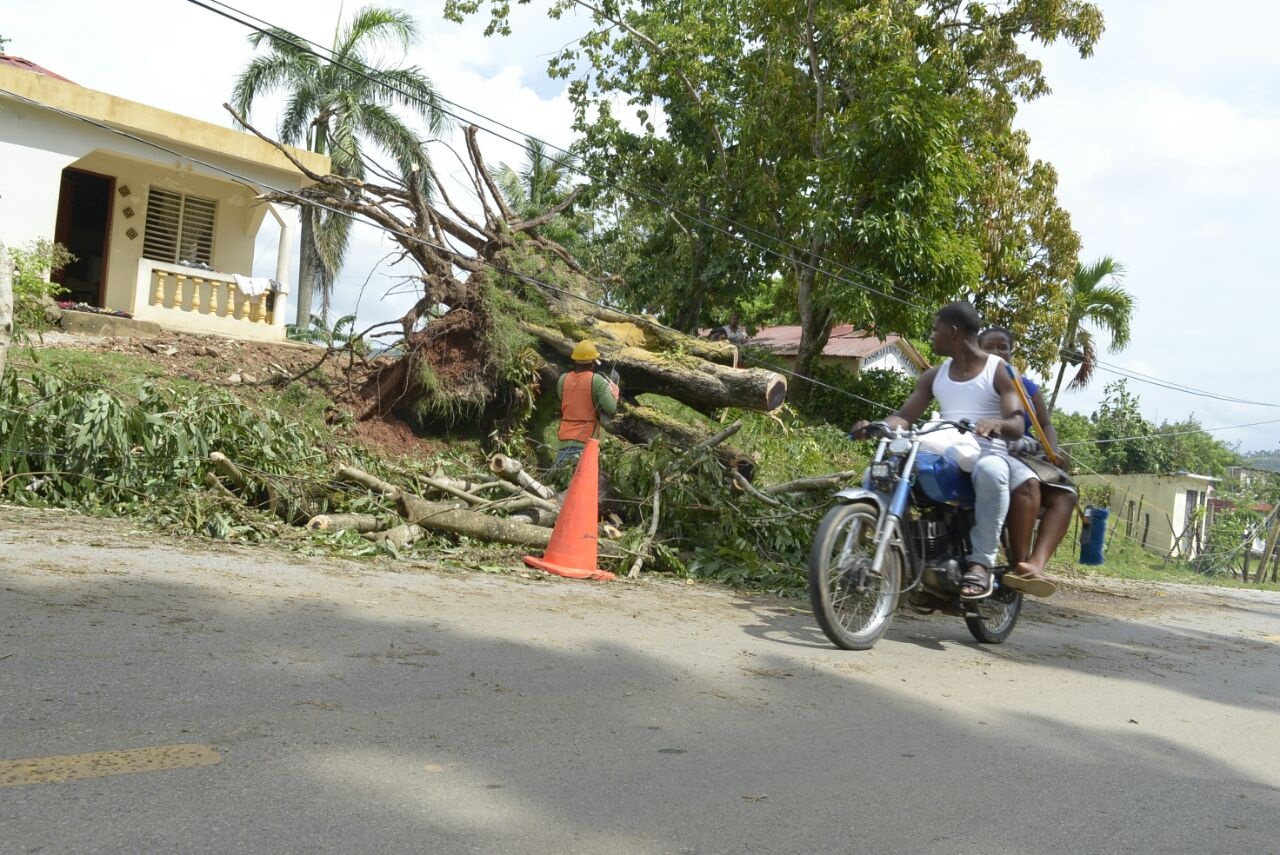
846	341
28	65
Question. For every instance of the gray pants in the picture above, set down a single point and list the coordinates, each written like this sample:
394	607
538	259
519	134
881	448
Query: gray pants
994	475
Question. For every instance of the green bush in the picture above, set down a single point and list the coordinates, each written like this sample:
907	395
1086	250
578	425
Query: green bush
32	265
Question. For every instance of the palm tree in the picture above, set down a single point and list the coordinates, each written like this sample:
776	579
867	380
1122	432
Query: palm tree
541	182
332	107
1106	305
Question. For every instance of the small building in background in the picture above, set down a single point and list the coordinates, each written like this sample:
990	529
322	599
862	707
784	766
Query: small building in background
1168	514
848	347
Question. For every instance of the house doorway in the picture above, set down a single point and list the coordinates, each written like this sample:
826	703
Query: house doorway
84	228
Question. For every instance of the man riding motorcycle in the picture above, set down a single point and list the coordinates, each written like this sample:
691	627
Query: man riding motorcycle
972	385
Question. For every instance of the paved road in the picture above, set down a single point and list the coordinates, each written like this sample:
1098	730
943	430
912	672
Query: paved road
353	709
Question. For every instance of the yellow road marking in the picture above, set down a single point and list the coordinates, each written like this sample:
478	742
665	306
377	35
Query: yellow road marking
98	764
1271	638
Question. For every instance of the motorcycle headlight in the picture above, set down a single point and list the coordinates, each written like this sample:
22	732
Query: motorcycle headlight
882	474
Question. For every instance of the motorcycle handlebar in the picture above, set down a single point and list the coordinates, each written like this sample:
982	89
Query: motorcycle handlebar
880	429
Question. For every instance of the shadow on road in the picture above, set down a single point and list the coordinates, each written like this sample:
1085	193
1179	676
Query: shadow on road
408	718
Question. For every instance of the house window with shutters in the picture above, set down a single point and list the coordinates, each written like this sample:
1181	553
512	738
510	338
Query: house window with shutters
179	228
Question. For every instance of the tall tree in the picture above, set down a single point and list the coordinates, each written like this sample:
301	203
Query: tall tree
849	140
335	107
1093	297
1126	441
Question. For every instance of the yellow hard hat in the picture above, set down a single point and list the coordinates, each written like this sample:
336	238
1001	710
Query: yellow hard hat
585	351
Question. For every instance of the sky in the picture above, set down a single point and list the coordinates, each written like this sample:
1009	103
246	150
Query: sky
1166	143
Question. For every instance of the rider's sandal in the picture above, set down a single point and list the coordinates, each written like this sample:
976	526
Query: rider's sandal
1035	585
973	579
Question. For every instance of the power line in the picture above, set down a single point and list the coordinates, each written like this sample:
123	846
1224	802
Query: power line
1166	434
1178	387
362	70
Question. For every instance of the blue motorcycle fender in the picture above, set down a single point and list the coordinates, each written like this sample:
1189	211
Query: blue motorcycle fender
861	494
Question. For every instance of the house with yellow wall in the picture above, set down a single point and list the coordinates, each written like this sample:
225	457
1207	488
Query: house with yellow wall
1168	514
161	210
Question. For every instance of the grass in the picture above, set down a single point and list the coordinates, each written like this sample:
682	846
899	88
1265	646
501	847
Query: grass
1127	560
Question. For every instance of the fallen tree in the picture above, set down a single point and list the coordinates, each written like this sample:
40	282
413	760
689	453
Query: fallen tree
516	303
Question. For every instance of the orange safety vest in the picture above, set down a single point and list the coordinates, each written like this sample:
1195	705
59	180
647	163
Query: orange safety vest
577	407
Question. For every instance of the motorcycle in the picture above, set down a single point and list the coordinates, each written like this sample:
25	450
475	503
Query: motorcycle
903	535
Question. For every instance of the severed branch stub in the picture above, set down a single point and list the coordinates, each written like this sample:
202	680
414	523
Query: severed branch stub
513	471
361	523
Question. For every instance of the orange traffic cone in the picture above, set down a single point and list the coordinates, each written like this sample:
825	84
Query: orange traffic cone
574	545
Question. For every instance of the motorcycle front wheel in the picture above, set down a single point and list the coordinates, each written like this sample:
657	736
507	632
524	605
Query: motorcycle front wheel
853	605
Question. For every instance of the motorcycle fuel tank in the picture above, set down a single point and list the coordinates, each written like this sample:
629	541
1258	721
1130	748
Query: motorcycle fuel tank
942	481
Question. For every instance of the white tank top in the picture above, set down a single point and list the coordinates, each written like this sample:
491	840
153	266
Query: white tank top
973	399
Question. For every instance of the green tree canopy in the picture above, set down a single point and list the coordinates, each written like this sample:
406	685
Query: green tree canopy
851	154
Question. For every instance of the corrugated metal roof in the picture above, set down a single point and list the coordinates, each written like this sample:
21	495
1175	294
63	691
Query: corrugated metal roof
28	65
846	341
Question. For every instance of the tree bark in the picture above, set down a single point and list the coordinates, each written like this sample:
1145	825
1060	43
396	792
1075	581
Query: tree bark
306	266
815	321
514	472
817	482
703	385
344	522
400	536
659	337
359	477
452	518
6	304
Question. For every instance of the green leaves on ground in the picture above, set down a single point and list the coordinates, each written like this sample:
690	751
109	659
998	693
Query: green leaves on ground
142	448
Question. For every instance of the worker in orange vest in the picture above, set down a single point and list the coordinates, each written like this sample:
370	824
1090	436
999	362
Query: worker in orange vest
584	395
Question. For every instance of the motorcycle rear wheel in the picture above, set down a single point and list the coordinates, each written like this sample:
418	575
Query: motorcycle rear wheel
853	606
994	618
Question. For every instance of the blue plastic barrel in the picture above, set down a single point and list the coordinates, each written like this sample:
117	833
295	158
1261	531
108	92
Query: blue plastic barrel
1093	536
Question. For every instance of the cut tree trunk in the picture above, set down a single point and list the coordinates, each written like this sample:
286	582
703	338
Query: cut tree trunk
641	331
703	385
452	518
513	471
345	522
400	536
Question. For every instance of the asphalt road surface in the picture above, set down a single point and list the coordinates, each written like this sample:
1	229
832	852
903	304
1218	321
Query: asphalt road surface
164	696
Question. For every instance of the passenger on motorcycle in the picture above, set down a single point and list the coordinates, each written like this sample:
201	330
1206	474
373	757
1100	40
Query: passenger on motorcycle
972	385
1051	489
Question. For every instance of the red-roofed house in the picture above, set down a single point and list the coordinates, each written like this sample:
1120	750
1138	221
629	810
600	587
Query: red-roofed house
849	347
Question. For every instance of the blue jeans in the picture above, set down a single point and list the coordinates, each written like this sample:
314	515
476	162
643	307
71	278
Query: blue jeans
990	504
